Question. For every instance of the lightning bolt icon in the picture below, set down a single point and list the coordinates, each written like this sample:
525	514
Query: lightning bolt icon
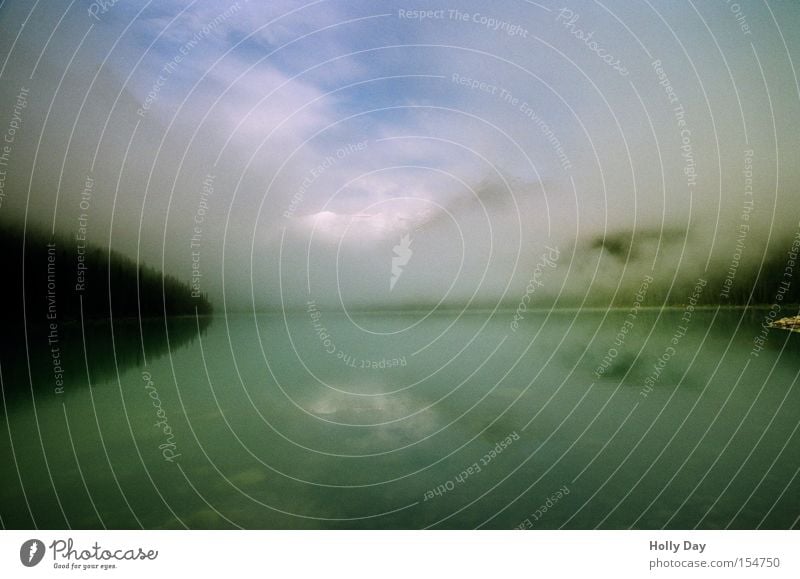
402	253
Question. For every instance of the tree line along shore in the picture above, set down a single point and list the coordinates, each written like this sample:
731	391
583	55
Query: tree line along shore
52	278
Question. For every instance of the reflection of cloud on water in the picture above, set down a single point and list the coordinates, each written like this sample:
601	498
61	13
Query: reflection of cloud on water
391	416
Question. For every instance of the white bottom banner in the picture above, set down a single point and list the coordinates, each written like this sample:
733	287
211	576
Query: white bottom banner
355	554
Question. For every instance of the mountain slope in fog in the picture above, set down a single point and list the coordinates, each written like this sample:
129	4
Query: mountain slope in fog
58	278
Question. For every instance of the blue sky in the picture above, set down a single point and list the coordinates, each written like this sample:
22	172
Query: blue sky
269	91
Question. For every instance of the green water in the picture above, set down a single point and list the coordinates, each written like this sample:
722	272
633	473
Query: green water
398	420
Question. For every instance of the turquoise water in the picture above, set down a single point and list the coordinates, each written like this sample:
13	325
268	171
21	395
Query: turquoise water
317	419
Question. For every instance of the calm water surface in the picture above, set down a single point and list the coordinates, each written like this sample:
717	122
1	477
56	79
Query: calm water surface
314	419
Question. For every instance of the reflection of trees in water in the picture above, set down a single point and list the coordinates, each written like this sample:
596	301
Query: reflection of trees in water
103	355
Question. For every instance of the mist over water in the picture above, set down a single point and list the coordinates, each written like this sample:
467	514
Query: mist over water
387	265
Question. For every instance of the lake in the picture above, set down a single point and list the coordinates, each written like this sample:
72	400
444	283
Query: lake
323	419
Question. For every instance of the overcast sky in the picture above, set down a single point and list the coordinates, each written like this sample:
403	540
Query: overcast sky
300	143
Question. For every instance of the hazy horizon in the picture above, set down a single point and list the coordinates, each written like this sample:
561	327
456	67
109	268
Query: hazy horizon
307	172
400	265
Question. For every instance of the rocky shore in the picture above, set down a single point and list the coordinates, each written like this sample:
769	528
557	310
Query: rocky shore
791	323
